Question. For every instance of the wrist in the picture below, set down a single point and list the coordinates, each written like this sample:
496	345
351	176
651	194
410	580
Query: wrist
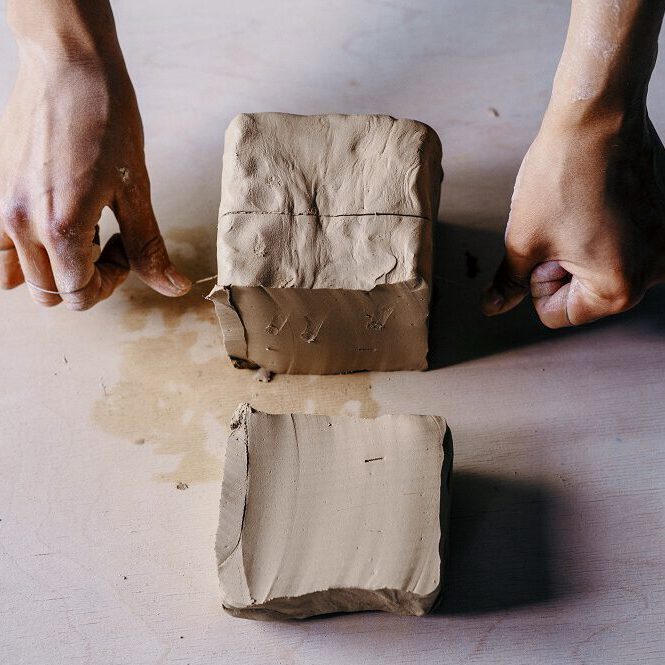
592	91
612	114
56	31
604	72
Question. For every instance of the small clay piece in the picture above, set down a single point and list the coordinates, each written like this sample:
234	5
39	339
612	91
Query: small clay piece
324	244
263	375
323	514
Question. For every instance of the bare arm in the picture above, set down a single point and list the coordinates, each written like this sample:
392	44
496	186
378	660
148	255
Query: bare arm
71	143
586	232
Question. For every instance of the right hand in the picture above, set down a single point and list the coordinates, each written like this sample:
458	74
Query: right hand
586	232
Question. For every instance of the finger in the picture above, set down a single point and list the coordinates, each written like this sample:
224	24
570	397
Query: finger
108	272
36	269
96	245
575	304
143	242
11	274
510	285
547	278
552	308
73	246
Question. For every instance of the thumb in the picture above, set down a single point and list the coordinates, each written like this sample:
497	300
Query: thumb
569	301
144	245
510	285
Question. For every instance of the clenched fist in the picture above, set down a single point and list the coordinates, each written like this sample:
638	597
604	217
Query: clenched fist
586	232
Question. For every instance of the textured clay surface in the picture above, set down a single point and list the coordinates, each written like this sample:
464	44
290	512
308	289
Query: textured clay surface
324	514
325	242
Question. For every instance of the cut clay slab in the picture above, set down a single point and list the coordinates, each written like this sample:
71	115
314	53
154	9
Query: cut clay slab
323	514
324	244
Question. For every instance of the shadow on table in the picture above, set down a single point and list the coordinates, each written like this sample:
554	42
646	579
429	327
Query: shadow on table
499	555
465	260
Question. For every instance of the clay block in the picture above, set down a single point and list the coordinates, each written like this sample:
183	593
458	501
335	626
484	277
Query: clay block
324	244
324	514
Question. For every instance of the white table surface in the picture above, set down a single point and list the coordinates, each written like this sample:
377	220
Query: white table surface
557	545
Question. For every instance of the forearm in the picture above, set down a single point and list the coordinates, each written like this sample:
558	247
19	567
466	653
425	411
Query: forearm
608	57
81	30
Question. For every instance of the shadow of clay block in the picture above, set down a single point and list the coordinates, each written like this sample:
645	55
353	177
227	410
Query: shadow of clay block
324	244
322	514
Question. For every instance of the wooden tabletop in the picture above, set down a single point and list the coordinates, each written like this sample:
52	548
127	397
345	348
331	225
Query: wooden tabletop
112	420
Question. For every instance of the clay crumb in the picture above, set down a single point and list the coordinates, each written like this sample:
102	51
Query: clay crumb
182	486
139	442
263	375
124	174
493	112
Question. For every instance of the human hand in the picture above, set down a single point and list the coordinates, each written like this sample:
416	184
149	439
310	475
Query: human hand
71	143
586	232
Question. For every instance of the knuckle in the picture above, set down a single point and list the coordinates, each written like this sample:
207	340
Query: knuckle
9	205
621	301
518	245
621	294
13	221
60	229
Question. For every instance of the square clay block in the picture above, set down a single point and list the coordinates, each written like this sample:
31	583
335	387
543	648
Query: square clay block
324	514
324	244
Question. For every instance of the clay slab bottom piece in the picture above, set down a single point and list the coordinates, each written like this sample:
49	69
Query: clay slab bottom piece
324	244
323	514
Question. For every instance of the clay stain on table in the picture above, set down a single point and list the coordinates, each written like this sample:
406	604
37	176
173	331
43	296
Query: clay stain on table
177	389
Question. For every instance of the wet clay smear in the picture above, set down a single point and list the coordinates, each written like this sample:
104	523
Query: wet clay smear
175	393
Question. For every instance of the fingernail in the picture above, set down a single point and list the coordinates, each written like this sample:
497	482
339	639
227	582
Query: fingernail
179	281
492	301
